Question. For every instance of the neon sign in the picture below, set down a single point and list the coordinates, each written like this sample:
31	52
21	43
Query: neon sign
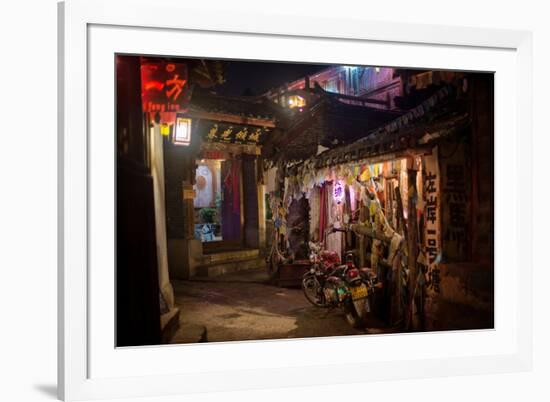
163	86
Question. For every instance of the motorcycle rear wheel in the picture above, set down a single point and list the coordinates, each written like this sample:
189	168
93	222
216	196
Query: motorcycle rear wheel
353	318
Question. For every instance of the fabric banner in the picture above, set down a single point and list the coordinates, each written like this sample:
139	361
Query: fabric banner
432	220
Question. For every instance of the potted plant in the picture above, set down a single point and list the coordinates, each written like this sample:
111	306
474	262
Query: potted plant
207	215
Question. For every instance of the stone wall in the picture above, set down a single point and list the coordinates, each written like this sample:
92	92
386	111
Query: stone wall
184	252
467	296
174	166
482	111
466	299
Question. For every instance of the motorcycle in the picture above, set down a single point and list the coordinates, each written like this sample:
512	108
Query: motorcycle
328	284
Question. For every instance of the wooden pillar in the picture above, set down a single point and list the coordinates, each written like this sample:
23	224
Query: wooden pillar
137	278
187	195
412	241
396	312
362	241
389	201
251	204
401	226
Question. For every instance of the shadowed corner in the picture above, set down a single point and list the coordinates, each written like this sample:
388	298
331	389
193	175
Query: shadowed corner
49	390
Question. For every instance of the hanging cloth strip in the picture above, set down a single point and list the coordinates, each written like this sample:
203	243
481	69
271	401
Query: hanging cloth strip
231	182
322	211
314	213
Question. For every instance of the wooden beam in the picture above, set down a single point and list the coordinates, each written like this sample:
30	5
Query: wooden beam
401	226
231	118
366	230
422	150
363	100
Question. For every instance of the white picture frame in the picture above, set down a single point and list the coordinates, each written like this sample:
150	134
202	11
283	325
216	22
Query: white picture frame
91	32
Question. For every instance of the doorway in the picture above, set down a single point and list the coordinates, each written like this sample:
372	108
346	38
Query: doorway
218	204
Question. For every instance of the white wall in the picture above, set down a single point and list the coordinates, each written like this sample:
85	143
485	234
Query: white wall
28	201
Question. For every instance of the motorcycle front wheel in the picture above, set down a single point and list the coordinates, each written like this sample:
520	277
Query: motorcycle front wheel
313	290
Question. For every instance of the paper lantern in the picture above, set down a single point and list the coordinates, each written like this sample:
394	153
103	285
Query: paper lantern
182	132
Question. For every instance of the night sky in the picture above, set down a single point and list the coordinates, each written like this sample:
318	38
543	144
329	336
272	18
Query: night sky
255	78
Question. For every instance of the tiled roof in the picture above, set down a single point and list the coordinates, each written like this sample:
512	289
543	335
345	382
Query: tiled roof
243	106
433	119
328	122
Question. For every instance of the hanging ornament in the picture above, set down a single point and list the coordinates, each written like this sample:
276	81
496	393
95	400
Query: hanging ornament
365	175
338	191
372	208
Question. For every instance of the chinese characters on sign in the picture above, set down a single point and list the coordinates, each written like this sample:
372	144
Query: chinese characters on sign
163	86
232	133
432	220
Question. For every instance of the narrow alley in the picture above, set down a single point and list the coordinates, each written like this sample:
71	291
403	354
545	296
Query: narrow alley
244	306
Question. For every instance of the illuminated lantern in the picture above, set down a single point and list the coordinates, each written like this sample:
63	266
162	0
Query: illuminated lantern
182	131
338	191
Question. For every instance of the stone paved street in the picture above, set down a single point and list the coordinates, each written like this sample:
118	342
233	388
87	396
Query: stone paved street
244	306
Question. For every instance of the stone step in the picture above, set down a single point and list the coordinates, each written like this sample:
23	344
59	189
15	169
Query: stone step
229	267
229	256
190	333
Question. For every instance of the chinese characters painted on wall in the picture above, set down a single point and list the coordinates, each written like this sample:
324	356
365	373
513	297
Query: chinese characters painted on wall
455	210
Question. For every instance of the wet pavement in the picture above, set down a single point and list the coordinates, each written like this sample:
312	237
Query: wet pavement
244	306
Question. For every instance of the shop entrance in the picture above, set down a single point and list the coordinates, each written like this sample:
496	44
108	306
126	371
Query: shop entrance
218	204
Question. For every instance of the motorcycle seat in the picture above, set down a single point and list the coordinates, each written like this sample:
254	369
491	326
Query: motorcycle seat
368	271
